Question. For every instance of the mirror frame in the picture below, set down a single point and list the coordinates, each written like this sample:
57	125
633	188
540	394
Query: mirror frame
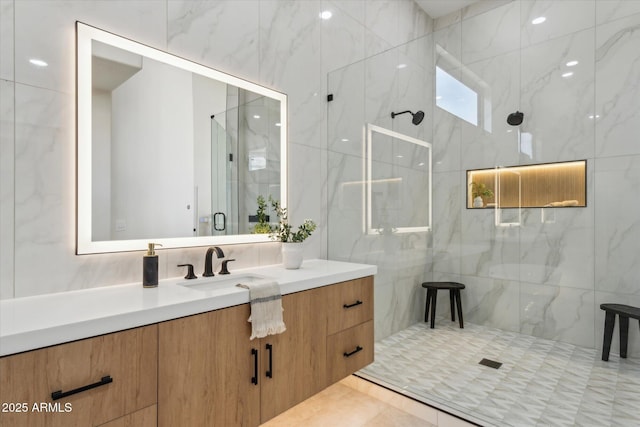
85	34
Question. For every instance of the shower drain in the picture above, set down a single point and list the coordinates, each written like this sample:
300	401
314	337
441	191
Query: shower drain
491	363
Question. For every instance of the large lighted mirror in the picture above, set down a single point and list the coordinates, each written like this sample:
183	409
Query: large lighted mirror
170	151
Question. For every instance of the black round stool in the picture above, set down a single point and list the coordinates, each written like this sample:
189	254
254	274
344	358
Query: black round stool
432	294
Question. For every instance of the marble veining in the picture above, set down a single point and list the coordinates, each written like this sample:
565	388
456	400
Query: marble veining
541	382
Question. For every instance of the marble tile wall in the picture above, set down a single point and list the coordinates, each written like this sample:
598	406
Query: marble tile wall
282	44
548	276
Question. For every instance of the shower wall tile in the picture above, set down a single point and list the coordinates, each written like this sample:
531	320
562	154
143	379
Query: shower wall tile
413	22
305	194
6	39
290	61
346	111
6	188
617	231
45	30
222	35
617	92
374	44
354	8
490	302
562	18
557	313
346	208
487	250
492	142
415	86
343	39
447	213
381	87
483	6
633	342
492	33
381	17
559	109
607	11
557	247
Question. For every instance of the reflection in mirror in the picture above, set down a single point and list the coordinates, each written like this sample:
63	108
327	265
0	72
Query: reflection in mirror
170	151
399	193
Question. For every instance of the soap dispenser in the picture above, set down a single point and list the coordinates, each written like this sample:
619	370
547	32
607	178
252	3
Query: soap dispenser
150	267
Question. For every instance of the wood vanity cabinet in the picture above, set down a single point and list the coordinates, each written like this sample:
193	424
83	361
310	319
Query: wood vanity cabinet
297	358
212	374
349	327
121	365
208	367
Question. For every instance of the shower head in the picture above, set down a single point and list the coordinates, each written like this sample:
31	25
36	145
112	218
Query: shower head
417	117
515	119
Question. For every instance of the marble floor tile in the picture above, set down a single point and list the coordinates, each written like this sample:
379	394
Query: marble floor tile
541	382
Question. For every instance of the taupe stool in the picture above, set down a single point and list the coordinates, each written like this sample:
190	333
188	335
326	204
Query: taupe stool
432	294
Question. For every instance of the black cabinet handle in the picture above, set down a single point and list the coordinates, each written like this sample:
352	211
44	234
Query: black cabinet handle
358	348
60	394
358	302
254	379
269	372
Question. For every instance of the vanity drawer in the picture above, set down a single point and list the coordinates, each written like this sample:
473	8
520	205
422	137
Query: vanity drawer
349	304
349	351
100	379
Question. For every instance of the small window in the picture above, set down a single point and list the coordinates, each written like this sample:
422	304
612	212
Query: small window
455	97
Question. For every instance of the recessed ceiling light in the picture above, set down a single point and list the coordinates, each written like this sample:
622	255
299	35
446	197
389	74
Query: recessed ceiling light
256	116
278	124
344	140
572	63
569	74
38	62
401	66
597	116
399	156
326	14
421	164
538	20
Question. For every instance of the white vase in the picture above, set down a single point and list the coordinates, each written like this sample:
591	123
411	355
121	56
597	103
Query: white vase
478	203
292	255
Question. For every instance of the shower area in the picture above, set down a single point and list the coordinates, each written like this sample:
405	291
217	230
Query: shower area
534	287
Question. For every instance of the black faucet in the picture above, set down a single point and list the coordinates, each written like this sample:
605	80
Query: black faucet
208	261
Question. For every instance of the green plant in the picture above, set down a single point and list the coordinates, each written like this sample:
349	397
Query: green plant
283	231
263	226
478	189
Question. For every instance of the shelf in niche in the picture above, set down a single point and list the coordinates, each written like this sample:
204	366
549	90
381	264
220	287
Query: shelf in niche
561	184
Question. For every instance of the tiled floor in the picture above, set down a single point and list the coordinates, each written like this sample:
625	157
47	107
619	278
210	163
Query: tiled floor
354	402
541	382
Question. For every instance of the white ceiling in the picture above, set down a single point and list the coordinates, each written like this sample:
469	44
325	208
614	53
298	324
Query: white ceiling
438	8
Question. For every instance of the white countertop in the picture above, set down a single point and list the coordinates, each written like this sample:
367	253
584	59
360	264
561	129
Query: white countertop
43	320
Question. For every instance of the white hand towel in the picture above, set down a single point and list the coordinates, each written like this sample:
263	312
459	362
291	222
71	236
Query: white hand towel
266	308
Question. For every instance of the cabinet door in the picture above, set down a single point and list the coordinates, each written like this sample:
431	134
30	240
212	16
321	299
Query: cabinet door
349	351
120	366
297	357
350	304
206	367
